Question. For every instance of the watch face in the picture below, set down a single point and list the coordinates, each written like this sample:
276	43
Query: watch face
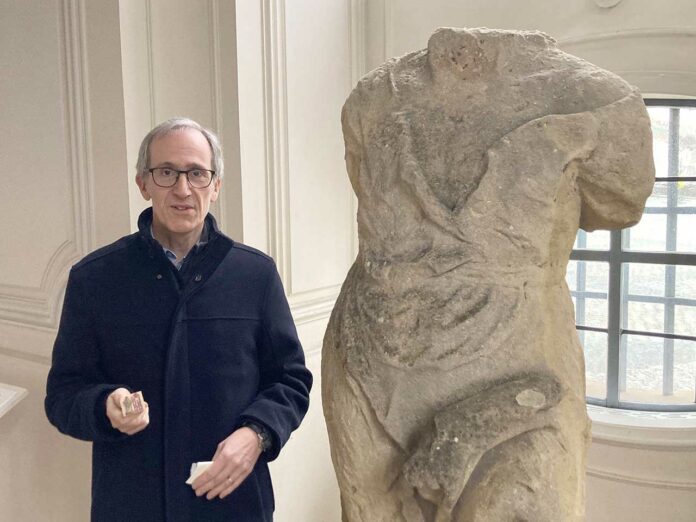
265	441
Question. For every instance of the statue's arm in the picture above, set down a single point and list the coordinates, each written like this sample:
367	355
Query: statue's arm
617	178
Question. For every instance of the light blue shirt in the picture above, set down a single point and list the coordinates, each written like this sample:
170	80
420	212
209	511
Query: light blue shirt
178	263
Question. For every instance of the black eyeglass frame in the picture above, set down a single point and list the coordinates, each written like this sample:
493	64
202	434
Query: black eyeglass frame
179	173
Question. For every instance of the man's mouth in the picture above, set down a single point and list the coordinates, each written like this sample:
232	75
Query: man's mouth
182	207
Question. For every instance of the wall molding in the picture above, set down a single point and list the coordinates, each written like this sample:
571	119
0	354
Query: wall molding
639	481
607	4
276	136
313	305
654	74
660	431
39	306
662	82
641	32
216	98
358	61
358	42
43	360
150	63
388	29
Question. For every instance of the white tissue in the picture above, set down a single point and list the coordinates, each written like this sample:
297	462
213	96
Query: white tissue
196	469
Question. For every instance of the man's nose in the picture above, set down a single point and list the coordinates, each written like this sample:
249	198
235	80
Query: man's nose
181	186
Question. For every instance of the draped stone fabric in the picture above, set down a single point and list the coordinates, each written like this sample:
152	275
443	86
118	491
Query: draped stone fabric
453	378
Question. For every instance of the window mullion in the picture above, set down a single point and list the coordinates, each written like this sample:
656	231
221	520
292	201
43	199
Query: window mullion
671	246
614	320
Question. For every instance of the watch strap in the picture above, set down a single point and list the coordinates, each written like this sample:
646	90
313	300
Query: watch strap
261	433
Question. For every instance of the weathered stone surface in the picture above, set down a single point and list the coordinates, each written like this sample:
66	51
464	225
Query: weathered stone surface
453	379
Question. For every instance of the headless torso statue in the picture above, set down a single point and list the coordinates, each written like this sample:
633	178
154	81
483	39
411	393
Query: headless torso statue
453	379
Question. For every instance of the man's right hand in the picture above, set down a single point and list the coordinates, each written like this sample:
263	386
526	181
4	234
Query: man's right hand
129	424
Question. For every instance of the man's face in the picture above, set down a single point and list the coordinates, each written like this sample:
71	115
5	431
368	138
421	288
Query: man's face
179	210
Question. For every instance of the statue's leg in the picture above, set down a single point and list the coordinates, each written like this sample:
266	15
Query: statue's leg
466	430
530	478
366	459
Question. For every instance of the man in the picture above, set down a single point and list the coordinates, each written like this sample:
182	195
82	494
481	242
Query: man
200	325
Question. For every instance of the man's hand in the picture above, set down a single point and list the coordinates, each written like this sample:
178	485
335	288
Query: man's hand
234	459
129	424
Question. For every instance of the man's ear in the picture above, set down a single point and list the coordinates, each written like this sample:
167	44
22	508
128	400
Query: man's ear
141	185
216	189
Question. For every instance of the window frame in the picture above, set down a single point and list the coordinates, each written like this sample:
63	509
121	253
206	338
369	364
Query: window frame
617	293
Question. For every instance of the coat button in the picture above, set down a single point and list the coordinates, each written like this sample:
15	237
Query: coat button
159	276
197	278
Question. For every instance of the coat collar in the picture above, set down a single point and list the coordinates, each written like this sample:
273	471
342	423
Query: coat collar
145	222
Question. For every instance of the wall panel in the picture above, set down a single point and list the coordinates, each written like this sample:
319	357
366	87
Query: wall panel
62	107
48	150
318	82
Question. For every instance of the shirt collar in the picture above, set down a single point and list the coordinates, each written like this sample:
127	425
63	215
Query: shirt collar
202	241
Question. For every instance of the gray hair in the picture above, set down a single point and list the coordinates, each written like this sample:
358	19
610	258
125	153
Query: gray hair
172	125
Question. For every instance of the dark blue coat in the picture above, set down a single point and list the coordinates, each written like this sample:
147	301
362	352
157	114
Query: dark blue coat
210	347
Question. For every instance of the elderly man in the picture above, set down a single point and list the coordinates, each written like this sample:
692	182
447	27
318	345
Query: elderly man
200	325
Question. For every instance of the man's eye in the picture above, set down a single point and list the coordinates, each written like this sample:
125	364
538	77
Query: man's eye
197	173
166	172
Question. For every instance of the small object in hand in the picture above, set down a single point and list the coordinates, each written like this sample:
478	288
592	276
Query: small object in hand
197	468
133	404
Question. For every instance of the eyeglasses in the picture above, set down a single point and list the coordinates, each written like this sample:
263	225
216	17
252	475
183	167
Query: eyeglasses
168	177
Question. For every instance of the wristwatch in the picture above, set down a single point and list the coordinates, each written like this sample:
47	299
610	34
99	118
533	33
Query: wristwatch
261	433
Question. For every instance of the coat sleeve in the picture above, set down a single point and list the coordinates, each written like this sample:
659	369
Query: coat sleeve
76	388
285	381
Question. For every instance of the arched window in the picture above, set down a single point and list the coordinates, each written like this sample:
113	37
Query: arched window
635	290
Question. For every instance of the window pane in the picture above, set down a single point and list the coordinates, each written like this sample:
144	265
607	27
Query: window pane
686	233
686	193
658	198
685	371
644	372
672	194
590	312
644	279
647	307
684	320
588	282
571	275
686	282
597	240
687	141
654	231
588	276
595	348
649	280
648	235
646	317
659	117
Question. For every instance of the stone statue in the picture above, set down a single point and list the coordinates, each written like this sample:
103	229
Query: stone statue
452	375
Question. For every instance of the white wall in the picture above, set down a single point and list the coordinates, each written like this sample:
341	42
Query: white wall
62	112
641	467
294	67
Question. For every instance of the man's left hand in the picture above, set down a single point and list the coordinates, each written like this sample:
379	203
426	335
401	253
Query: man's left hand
234	459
